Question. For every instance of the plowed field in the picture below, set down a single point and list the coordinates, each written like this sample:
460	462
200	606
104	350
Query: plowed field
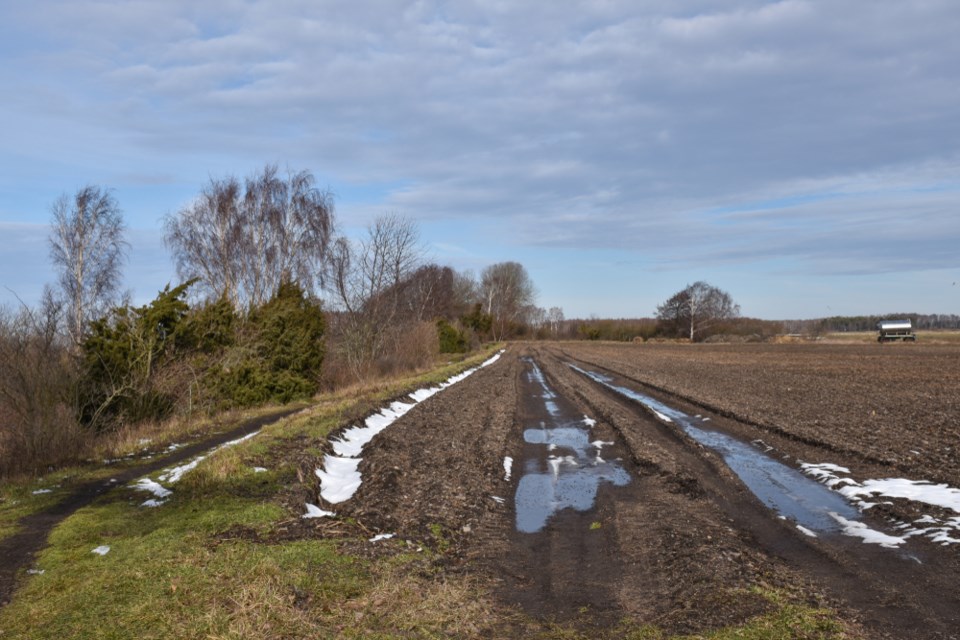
681	543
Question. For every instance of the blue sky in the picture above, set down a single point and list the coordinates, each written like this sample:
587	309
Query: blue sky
802	155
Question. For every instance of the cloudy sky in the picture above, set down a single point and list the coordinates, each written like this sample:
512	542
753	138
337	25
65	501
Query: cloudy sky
803	155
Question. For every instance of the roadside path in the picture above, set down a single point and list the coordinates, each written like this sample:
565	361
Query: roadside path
19	550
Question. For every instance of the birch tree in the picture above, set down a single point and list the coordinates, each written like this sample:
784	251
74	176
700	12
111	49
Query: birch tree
87	248
242	241
507	292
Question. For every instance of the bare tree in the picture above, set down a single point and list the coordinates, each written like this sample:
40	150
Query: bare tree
367	279
507	292
555	319
697	307
290	227
37	380
243	242
87	248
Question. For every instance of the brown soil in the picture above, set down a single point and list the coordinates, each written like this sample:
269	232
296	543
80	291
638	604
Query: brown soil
684	544
18	550
893	406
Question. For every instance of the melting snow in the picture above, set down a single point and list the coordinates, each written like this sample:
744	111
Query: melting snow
870	536
259	469
806	531
174	474
507	467
381	536
39	491
313	511
940	495
102	550
590	422
146	484
339	476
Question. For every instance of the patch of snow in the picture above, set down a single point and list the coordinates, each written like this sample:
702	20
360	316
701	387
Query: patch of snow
590	422
39	491
868	535
152	502
102	550
823	467
802	529
381	536
507	467
36	572
259	470
173	475
313	511
706	420
940	495
497	499
148	485
920	491
661	416
231	443
339	478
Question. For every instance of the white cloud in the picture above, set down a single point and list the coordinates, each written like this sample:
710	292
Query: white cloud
690	131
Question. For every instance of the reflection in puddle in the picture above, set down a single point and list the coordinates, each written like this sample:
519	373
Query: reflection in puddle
562	467
782	488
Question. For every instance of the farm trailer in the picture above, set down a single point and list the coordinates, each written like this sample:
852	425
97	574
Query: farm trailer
892	330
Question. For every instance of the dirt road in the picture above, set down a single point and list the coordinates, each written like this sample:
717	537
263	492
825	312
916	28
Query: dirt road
584	506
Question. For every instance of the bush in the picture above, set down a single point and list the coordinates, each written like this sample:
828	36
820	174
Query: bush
452	340
120	357
37	378
279	356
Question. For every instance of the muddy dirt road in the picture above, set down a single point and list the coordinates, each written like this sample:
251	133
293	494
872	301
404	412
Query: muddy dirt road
584	505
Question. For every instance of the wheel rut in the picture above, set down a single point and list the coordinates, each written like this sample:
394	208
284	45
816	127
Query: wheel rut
894	594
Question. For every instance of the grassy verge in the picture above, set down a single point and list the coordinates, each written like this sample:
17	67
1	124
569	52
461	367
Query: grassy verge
228	556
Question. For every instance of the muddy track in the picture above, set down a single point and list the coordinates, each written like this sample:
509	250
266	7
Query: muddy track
891	591
681	545
19	550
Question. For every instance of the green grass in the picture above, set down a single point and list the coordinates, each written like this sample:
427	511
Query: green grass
211	563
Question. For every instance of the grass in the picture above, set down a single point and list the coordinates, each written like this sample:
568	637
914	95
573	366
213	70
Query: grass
217	561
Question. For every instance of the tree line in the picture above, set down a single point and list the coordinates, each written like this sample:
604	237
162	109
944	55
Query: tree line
844	324
272	304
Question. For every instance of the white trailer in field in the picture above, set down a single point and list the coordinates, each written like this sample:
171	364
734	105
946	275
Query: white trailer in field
892	330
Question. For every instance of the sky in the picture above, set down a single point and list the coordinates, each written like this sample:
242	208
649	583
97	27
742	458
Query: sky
801	155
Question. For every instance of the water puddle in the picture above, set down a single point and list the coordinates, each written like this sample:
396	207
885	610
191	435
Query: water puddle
812	506
563	466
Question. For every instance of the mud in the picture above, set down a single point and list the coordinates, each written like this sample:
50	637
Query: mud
684	545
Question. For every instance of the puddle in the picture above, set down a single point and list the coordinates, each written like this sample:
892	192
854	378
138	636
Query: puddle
562	466
813	507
